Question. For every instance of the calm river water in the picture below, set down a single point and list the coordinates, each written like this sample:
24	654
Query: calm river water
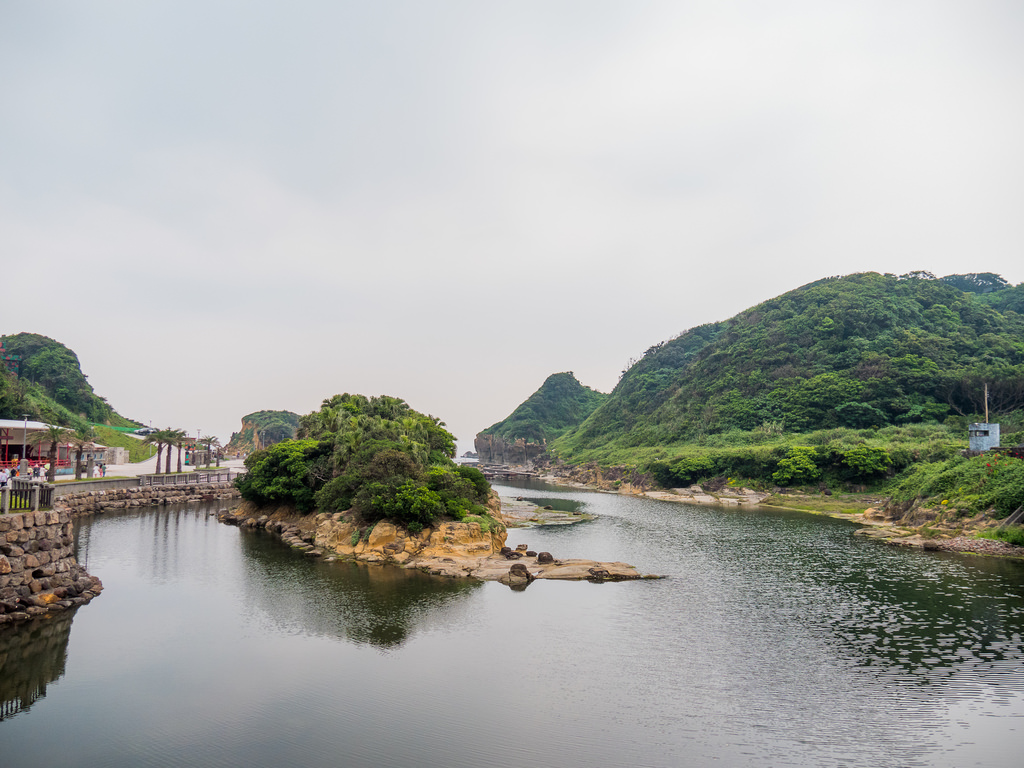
778	640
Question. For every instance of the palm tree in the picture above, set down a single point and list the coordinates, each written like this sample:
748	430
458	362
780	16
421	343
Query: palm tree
81	439
53	435
154	438
160	438
177	438
210	442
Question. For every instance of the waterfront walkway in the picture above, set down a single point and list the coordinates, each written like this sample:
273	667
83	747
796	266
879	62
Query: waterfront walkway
148	467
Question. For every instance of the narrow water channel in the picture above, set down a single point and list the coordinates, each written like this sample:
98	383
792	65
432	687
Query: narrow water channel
778	639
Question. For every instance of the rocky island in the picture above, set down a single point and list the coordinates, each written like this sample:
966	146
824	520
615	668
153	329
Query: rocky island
372	480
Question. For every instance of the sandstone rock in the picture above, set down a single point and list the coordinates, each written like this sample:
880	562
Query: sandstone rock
545	557
518	574
383	534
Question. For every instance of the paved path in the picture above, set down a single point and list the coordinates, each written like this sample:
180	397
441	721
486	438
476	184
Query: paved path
148	467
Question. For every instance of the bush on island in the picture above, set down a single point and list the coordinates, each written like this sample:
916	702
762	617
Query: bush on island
376	456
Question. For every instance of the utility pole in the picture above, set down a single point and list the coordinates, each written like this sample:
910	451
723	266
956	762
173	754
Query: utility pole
986	402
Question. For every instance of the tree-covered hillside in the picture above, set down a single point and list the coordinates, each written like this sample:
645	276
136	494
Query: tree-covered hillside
863	351
560	403
43	379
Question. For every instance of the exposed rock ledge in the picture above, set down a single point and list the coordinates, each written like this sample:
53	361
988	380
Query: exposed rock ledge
697	495
454	549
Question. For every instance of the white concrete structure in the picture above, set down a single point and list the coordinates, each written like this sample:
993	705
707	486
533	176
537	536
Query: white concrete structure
983	436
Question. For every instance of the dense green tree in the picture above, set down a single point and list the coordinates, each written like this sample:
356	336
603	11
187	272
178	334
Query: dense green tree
799	467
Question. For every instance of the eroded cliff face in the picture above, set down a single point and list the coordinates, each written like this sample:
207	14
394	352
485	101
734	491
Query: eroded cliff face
243	441
390	543
492	449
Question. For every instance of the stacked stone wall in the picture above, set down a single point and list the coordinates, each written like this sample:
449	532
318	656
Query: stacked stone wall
38	570
93	502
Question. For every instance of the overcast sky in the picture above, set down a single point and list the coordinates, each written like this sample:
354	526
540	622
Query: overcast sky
224	207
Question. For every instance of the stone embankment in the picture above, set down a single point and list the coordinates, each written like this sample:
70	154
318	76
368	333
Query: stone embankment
92	502
38	570
455	549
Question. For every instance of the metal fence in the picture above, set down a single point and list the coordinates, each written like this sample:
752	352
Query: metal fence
189	478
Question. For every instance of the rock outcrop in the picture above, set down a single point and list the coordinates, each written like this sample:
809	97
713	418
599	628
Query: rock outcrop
492	449
455	549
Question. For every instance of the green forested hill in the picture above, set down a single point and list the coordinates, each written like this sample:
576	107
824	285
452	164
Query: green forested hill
560	403
43	379
861	352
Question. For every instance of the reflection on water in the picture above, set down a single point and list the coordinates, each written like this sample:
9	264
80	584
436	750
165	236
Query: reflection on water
30	659
559	503
778	639
352	601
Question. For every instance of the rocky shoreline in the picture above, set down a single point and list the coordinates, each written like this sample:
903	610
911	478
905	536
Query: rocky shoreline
452	549
877	525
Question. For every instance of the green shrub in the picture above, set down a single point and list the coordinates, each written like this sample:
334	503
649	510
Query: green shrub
798	468
864	462
285	473
974	484
1011	534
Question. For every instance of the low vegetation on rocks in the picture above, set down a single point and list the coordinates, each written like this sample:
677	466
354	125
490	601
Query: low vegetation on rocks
965	486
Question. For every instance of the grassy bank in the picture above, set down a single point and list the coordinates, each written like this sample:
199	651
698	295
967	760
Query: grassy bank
137	450
963	487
